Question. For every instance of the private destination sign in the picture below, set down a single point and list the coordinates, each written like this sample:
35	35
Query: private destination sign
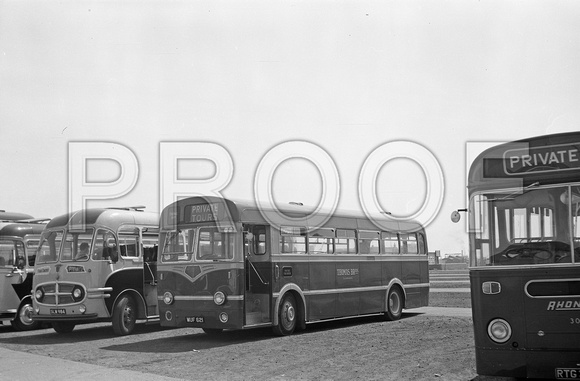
542	159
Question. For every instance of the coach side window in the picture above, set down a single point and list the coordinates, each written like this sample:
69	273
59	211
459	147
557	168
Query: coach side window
105	246
390	243
421	243
128	242
321	241
345	241
292	239
409	243
368	242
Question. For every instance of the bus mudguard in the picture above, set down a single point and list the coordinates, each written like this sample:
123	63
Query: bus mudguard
290	287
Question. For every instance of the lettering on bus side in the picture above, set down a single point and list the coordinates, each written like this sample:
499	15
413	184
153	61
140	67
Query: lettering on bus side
346	272
563	305
75	269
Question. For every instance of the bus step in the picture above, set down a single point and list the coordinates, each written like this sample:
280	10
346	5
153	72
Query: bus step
254	318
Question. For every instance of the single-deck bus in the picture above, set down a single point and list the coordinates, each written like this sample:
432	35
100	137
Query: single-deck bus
524	223
18	243
222	265
97	265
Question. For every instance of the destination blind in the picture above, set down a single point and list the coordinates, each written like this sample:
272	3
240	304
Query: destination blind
534	160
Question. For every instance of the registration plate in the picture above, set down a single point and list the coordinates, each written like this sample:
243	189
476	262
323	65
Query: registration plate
57	311
194	319
568	373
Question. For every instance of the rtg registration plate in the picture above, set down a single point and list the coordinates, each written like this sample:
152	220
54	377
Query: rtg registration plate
568	373
57	311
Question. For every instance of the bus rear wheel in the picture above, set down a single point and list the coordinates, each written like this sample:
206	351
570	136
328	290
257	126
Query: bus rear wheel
23	320
287	316
124	316
394	304
63	326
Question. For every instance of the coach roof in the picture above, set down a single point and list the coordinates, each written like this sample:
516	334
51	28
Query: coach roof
111	217
19	229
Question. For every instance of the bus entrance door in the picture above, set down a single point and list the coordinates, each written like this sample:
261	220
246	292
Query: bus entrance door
149	247
258	271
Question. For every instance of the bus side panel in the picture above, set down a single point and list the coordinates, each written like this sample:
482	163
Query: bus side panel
416	272
290	269
391	269
370	276
347	277
322	305
121	280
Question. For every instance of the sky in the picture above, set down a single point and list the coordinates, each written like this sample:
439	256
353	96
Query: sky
350	83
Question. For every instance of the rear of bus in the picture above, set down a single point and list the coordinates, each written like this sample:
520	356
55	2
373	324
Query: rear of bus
201	265
90	267
525	262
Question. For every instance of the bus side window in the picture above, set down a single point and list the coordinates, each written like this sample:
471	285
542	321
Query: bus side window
31	247
105	246
369	242
345	242
421	243
259	232
6	252
292	239
390	243
20	256
409	243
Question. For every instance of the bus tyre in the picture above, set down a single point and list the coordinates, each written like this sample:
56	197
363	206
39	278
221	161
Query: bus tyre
394	304
124	316
23	320
63	326
287	316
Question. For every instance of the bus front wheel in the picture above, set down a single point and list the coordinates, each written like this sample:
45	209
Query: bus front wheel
63	326
287	316
394	304
124	316
23	320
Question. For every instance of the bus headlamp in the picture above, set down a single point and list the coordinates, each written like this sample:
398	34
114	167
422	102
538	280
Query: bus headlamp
168	298
224	317
499	330
39	294
219	298
78	294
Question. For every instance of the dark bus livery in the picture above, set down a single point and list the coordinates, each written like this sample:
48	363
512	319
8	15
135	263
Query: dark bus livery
524	221
222	265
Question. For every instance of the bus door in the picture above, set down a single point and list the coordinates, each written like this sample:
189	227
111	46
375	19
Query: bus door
12	273
258	271
149	238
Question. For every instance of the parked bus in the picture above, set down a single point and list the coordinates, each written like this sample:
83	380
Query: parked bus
524	235
222	265
18	243
97	265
